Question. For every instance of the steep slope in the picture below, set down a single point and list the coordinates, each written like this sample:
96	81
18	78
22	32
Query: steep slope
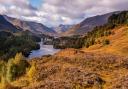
88	24
7	26
31	26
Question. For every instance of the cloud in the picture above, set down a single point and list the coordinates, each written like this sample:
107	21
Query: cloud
2	9
55	12
73	11
16	7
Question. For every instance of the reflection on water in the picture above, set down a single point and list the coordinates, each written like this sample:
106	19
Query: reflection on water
44	50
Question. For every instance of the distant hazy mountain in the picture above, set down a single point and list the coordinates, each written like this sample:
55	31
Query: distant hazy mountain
31	26
7	26
88	24
62	28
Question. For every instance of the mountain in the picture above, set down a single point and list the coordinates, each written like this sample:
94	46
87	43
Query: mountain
31	26
101	65
62	28
7	26
88	24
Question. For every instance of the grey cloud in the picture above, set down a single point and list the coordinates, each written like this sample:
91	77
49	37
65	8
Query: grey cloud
54	12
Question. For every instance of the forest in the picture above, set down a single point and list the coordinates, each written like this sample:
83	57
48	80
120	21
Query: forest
10	44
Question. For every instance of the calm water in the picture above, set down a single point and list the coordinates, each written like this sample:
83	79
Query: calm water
44	50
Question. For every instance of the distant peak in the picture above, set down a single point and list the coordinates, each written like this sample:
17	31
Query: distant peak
61	25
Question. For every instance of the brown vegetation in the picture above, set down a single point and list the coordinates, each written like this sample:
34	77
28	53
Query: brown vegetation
80	70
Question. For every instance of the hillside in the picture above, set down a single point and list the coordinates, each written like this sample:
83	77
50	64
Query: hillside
118	42
34	27
74	69
7	26
15	25
88	24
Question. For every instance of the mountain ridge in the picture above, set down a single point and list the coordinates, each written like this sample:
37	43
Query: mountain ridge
34	27
88	24
7	26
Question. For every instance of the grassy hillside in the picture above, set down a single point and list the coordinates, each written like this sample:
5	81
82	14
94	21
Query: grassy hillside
74	69
118	42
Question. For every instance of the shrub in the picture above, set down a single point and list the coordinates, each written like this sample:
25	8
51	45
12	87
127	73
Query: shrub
106	42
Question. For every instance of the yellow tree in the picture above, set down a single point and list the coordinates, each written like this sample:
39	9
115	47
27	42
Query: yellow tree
32	71
18	58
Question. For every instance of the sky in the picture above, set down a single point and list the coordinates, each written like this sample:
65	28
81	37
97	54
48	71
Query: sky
55	12
36	3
